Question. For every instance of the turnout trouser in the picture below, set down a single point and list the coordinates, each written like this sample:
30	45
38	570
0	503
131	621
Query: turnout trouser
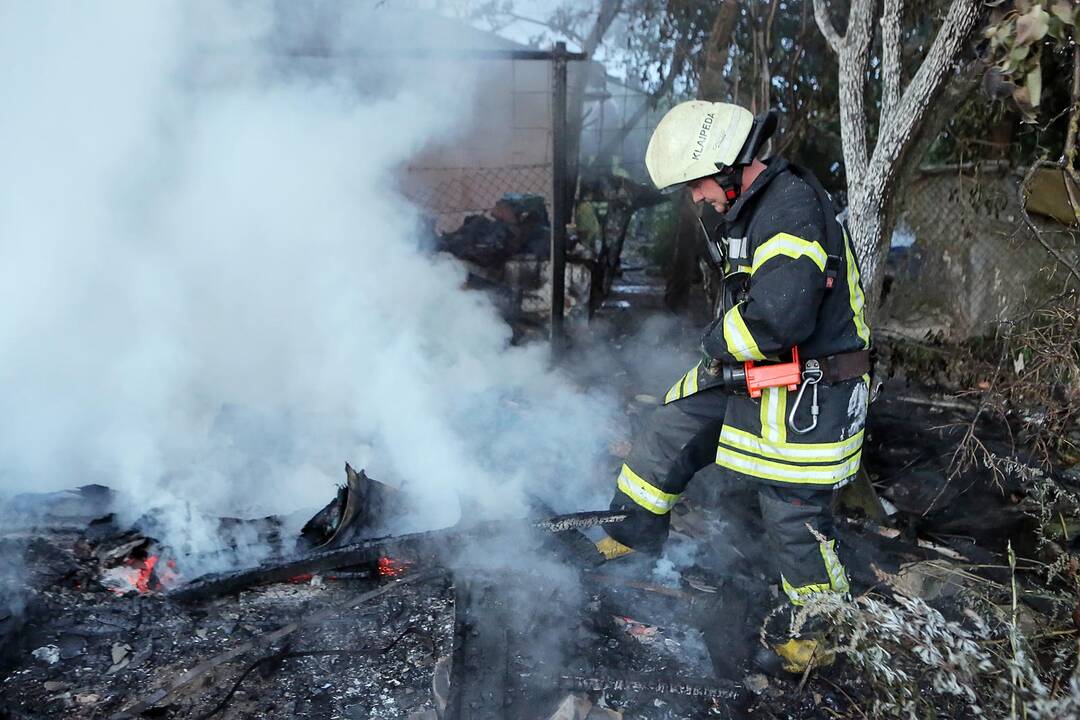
678	440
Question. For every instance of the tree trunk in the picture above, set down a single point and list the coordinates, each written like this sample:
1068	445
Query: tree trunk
718	47
872	176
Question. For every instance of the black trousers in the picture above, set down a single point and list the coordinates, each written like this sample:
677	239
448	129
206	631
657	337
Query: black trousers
677	441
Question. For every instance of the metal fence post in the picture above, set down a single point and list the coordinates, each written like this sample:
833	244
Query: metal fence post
559	215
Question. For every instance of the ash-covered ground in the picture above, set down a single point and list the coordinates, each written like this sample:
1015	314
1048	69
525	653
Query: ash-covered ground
369	643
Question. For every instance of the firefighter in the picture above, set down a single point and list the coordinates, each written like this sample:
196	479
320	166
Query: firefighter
790	281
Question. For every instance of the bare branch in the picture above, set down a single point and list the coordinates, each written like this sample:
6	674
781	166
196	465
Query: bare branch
825	24
896	134
1074	118
854	57
568	32
608	10
890	57
1054	252
678	62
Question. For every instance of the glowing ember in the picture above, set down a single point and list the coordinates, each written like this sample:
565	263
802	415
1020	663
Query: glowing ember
141	575
142	580
389	567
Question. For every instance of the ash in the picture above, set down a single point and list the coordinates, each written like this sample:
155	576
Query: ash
82	651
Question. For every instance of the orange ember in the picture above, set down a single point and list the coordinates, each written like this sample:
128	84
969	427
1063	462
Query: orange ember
143	576
389	567
142	580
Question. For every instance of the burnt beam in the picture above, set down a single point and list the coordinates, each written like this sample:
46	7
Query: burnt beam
431	543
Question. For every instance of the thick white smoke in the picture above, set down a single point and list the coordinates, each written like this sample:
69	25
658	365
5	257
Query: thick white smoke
213	292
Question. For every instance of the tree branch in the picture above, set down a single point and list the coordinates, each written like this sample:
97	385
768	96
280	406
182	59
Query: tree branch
1054	252
897	132
678	61
718	46
890	57
608	10
854	57
568	32
825	24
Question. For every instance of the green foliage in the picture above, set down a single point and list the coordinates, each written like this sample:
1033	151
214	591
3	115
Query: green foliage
1016	38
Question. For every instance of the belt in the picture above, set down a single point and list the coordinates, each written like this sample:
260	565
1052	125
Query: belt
844	366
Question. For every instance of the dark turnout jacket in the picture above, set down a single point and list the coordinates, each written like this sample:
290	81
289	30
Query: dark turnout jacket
782	257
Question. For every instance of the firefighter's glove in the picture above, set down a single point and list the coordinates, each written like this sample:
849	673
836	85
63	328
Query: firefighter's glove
611	548
709	364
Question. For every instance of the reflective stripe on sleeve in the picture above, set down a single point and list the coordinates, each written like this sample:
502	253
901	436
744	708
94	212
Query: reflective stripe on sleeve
740	343
788	451
687	385
644	494
785	472
793	247
855	294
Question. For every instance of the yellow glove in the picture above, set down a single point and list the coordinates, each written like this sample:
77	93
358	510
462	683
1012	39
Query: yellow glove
611	548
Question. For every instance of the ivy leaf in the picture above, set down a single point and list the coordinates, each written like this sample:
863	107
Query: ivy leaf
1063	11
1057	28
1033	85
1019	53
1032	26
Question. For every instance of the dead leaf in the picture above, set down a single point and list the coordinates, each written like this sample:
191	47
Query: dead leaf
1032	26
1063	11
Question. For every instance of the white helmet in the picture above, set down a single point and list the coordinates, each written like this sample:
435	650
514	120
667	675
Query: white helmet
696	139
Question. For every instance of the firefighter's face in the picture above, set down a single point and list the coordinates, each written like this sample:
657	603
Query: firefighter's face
706	189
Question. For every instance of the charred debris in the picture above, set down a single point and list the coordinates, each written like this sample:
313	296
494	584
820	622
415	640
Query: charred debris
344	618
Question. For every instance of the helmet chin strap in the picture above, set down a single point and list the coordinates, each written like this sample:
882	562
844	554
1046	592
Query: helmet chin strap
730	181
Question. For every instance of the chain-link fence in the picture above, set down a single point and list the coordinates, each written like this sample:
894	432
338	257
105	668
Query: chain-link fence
616	130
963	258
449	195
506	147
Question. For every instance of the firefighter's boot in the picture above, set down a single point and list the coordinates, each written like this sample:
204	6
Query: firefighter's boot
611	548
790	652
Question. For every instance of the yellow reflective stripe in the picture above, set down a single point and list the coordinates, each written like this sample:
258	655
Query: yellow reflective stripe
855	294
773	423
807	452
798	595
673	393
740	343
690	381
838	581
647	496
792	246
687	385
789	473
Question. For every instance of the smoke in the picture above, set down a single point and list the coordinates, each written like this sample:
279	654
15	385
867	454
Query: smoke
214	294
